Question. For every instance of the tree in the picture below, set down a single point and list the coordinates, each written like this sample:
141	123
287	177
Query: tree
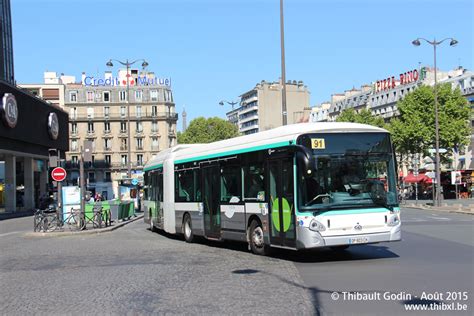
414	130
202	130
364	116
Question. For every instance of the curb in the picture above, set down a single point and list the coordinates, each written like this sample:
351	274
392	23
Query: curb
421	207
84	232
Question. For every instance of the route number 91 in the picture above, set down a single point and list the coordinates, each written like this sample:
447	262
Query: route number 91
318	143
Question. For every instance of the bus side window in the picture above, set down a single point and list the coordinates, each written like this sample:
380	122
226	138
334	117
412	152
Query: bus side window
231	184
254	183
184	189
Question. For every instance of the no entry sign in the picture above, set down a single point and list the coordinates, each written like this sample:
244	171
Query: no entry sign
58	174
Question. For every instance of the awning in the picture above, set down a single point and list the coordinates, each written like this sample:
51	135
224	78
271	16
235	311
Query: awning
411	178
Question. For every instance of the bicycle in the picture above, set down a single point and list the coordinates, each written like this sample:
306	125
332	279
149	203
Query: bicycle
46	221
75	220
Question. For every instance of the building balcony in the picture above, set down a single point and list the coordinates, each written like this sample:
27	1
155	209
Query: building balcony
249	127
248	118
249	100
248	109
123	148
120	117
124	166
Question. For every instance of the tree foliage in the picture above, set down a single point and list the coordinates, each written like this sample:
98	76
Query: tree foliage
414	130
206	130
364	116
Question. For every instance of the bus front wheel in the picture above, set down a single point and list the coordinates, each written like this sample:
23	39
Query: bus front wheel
188	229
256	241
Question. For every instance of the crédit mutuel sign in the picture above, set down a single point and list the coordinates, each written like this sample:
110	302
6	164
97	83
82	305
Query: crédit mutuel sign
114	81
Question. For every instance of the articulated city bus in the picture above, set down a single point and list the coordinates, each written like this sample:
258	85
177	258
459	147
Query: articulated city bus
298	186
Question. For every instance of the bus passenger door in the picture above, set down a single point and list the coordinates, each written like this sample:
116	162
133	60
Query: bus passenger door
281	201
210	201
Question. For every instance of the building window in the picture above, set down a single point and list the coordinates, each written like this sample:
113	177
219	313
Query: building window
139	143
123	159
73	96
138	111
108	159
123	127
154	127
154	110
122	95
74	159
122	111
106	96
139	126
91	176
139	160
107	143
138	95
154	143
106	111
90	127
90	112
153	95
90	96
107	176
73	113
74	144
168	96
123	144
107	127
74	128
92	140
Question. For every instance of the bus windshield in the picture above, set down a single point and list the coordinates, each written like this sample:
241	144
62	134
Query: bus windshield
352	171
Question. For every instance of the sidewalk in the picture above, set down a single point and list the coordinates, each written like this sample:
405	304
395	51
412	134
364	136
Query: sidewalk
8	215
464	206
87	231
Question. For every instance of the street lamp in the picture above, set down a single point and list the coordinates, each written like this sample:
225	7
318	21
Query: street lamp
128	64
283	74
434	43
232	103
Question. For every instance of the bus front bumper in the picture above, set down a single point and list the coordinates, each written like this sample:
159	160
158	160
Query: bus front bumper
308	239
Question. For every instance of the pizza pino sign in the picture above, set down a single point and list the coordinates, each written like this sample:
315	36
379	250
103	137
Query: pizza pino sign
391	82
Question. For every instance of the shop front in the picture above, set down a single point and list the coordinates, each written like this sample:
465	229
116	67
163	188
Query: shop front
29	128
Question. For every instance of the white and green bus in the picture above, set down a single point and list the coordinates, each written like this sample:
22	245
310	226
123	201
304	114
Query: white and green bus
299	186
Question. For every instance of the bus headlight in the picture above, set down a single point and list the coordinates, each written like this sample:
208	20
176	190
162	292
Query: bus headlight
316	226
394	220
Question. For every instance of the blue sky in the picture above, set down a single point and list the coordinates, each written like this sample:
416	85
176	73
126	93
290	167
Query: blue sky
216	50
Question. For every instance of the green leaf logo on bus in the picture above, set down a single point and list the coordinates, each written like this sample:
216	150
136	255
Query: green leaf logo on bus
286	214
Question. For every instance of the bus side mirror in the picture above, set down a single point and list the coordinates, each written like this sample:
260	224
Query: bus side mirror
305	161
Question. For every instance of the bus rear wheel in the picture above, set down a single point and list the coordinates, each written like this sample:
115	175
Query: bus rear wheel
256	241
188	229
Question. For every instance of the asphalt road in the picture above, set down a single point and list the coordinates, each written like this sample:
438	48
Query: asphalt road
134	271
434	256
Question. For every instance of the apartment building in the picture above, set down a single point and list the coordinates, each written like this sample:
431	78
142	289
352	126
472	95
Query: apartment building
102	110
261	107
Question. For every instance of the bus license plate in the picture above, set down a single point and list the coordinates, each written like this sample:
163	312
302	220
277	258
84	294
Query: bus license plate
358	240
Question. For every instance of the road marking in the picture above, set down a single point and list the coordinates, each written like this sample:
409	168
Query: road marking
440	218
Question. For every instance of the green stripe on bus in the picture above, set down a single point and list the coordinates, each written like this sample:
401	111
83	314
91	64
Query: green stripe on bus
235	152
353	211
153	167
